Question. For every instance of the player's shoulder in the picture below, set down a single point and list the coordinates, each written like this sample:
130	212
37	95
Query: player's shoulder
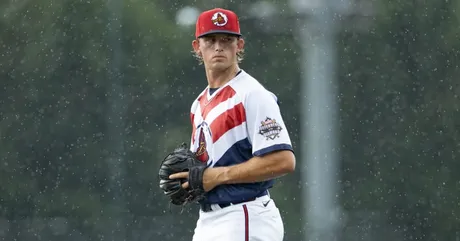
248	85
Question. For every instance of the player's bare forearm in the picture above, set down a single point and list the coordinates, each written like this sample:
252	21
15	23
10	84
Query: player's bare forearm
257	169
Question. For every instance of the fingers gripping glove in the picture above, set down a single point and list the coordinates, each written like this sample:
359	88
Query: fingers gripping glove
182	160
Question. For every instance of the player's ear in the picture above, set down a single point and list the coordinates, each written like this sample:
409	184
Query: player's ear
196	46
240	44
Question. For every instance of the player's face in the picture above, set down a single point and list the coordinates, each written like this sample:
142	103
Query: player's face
218	50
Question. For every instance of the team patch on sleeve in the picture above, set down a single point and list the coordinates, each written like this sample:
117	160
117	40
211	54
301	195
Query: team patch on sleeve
270	129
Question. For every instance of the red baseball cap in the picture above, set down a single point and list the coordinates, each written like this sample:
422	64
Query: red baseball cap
217	20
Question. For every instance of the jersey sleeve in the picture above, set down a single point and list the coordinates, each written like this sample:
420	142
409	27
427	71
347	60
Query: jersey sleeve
266	129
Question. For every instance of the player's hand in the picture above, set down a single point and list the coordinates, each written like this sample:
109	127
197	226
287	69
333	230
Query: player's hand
209	180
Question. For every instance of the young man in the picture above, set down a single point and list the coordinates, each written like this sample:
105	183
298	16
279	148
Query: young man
239	132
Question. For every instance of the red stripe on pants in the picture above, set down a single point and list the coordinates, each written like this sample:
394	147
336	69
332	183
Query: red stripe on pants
246	223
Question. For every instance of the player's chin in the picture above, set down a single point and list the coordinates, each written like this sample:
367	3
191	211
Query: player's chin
218	65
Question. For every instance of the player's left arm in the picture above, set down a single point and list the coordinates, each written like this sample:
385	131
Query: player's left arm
272	148
257	169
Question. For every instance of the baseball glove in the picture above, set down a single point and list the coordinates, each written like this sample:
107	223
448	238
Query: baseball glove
182	160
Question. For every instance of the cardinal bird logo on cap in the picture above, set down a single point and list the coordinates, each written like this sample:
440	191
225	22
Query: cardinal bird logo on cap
219	19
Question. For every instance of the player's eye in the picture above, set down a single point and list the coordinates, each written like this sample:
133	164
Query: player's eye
211	40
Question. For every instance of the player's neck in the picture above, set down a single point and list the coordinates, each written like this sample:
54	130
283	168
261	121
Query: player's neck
219	78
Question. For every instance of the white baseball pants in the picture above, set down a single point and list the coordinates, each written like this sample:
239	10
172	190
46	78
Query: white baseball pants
257	220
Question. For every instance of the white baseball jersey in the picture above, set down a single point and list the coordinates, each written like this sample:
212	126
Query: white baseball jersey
239	120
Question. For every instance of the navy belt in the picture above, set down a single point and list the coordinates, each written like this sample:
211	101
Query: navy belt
206	207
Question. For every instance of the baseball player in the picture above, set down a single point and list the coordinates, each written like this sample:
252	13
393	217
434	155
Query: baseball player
238	131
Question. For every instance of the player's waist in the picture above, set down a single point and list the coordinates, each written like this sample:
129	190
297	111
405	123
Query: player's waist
208	207
230	193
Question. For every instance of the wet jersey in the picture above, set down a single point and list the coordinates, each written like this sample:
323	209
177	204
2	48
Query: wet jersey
236	122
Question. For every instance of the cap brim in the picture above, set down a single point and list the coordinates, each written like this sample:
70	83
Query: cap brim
219	31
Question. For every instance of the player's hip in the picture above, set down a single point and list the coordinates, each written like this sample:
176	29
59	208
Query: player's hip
260	206
259	219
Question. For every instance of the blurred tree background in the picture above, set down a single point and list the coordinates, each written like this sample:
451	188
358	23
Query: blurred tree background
90	104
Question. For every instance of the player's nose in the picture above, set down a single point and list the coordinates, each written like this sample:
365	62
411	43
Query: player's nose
219	46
